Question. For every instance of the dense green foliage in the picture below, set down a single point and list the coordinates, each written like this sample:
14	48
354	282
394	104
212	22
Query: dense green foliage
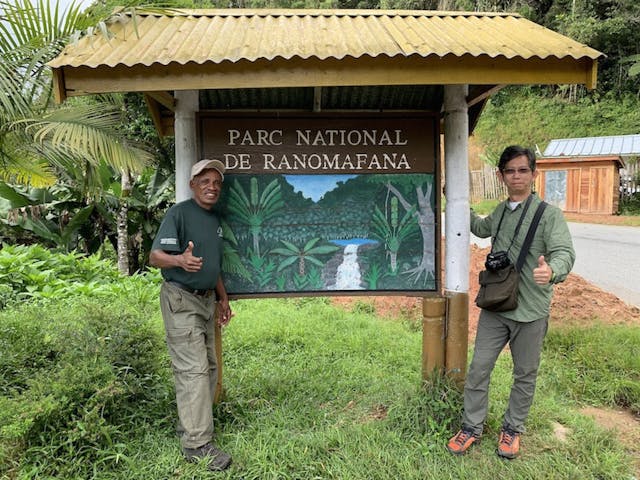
36	273
312	391
75	375
531	118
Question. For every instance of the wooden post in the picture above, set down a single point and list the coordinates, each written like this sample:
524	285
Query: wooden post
217	395
433	333
456	288
186	140
457	336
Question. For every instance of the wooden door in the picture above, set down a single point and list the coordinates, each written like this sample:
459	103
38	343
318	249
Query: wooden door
573	190
600	185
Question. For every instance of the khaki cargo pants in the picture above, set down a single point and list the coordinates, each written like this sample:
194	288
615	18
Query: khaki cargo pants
189	327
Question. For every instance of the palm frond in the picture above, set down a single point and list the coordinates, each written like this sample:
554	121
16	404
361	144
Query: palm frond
87	132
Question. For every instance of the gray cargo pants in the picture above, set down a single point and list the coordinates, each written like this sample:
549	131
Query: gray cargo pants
525	342
189	328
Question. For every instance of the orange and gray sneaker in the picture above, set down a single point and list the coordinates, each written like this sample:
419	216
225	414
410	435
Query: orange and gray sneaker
461	441
508	444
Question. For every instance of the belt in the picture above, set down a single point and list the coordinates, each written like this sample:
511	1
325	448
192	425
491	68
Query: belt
195	291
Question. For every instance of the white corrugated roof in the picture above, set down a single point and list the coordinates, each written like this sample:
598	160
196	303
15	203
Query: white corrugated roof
612	145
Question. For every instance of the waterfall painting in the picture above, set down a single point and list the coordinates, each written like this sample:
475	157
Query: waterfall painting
324	234
327	203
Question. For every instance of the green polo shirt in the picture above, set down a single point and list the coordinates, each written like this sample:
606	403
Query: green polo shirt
552	239
187	221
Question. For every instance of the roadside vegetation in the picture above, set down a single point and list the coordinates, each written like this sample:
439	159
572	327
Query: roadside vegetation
312	390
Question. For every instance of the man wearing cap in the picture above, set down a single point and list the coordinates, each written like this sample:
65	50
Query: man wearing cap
188	250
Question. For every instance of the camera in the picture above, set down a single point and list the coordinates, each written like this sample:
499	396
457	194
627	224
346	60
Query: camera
497	261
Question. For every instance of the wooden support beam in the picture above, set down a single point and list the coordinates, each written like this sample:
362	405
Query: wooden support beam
456	343
479	98
317	99
156	115
433	335
163	98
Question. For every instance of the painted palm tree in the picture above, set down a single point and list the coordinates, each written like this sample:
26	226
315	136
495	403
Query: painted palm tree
393	230
255	209
293	253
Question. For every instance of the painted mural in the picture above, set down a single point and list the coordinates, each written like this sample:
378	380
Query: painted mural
327	202
334	232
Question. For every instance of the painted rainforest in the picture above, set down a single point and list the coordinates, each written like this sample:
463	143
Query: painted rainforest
372	232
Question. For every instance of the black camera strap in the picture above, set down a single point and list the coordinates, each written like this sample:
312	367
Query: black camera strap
529	238
517	230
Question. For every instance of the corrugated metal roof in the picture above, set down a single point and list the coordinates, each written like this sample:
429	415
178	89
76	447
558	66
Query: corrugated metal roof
612	145
233	35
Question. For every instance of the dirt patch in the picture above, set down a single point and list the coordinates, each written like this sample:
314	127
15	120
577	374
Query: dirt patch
575	301
602	219
625	424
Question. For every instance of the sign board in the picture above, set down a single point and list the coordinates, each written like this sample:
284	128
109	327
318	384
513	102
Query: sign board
327	203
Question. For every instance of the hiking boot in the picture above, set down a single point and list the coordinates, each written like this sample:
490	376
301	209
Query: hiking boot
508	444
461	441
218	460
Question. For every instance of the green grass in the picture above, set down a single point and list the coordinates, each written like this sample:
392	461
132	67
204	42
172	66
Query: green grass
312	392
485	207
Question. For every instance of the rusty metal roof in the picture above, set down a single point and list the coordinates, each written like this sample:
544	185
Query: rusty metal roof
233	35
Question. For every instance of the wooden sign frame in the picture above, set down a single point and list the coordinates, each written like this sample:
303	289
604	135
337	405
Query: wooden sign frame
327	204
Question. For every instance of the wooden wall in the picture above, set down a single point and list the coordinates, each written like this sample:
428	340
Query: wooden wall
592	183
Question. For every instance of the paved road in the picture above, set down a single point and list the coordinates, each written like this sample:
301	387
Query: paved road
607	256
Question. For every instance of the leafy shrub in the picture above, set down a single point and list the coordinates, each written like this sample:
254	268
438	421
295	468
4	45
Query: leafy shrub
35	272
75	378
630	205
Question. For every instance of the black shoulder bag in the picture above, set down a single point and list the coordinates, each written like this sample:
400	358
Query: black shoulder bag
499	282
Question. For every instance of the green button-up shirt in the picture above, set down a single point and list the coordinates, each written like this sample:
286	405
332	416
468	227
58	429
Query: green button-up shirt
552	239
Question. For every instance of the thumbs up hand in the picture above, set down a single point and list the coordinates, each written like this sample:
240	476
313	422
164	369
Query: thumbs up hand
542	273
189	262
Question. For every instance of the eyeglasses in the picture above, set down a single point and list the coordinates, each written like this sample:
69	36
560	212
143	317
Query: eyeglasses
513	171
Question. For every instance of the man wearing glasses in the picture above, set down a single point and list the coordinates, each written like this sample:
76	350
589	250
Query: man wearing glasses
548	261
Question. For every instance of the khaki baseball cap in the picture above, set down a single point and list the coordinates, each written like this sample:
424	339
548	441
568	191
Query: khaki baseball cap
206	164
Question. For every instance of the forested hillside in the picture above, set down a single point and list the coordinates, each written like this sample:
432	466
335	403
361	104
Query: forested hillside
533	117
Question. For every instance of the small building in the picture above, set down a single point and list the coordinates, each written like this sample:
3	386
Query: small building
578	184
582	175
